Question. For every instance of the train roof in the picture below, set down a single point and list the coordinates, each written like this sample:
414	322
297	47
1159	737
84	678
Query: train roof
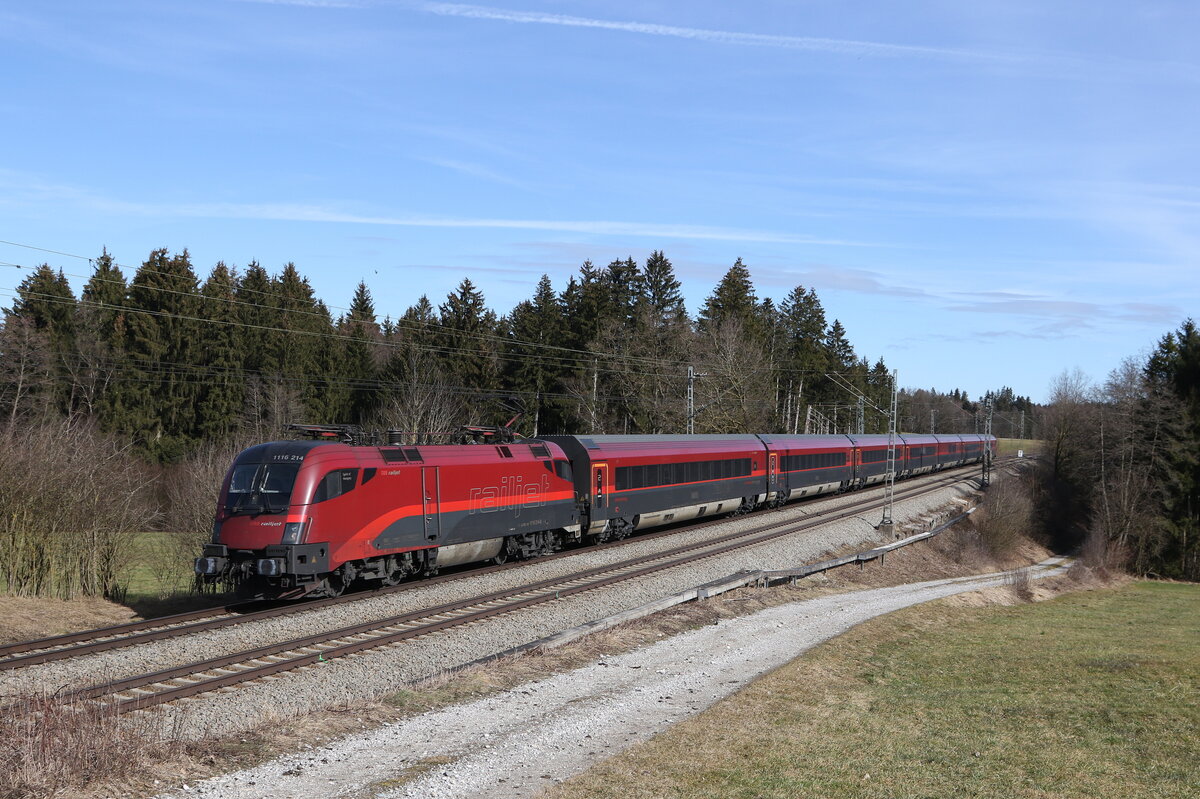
609	446
800	441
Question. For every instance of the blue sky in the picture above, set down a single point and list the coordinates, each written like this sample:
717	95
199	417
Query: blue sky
983	193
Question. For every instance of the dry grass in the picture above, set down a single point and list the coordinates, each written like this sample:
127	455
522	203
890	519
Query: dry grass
26	618
1056	699
51	747
1006	515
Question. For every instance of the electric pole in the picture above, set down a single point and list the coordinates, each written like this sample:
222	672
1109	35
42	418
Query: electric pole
595	383
986	478
886	524
691	398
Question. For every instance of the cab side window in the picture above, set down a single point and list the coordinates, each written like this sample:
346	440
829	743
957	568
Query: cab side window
335	484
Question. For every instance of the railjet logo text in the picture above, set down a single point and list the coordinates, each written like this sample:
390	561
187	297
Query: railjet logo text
513	493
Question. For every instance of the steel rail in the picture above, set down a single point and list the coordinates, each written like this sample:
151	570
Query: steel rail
104	639
156	688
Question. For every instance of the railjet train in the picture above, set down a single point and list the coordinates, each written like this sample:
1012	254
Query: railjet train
308	518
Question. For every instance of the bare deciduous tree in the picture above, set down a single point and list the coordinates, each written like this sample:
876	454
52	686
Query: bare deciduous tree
736	395
72	498
26	373
421	402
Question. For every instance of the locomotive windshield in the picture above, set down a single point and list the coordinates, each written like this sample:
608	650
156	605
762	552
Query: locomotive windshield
261	487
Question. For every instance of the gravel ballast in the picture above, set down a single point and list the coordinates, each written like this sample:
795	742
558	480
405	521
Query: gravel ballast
388	669
377	672
516	742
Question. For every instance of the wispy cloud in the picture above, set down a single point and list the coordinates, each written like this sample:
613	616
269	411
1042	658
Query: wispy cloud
827	278
308	3
850	47
20	191
474	170
1073	314
305	213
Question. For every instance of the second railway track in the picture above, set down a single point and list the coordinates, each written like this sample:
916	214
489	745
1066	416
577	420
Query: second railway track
145	690
29	653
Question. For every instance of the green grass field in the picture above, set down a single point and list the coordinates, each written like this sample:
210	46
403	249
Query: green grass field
158	575
1094	694
1009	446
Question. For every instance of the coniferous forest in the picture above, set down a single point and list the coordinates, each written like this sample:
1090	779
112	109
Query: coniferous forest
170	362
122	407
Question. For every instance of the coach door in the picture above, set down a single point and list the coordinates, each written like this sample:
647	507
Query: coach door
773	472
431	504
600	486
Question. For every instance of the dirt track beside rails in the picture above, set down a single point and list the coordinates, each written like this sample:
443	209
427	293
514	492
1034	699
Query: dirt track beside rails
515	743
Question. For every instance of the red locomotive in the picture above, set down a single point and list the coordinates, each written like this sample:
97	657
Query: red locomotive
308	518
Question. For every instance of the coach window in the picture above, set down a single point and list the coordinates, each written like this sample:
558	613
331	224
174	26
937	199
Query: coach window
335	484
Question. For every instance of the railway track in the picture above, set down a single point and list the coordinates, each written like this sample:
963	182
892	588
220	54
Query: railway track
146	690
61	647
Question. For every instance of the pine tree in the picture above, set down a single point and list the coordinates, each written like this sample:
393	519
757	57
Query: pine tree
733	298
622	279
45	299
466	325
258	311
100	335
1172	373
221	396
529	367
308	354
584	302
662	291
879	390
412	356
361	356
155	404
841	353
102	303
804	360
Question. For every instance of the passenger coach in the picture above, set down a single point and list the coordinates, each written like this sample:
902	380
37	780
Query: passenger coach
630	483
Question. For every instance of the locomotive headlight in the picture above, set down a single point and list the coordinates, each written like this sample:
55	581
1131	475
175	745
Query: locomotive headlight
209	565
292	532
268	567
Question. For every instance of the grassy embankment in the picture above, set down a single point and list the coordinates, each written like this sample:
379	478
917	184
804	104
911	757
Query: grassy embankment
1091	694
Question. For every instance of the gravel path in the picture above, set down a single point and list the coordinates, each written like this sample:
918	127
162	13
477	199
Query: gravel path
517	742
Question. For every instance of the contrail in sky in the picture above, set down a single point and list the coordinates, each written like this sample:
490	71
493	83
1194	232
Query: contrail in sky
840	46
